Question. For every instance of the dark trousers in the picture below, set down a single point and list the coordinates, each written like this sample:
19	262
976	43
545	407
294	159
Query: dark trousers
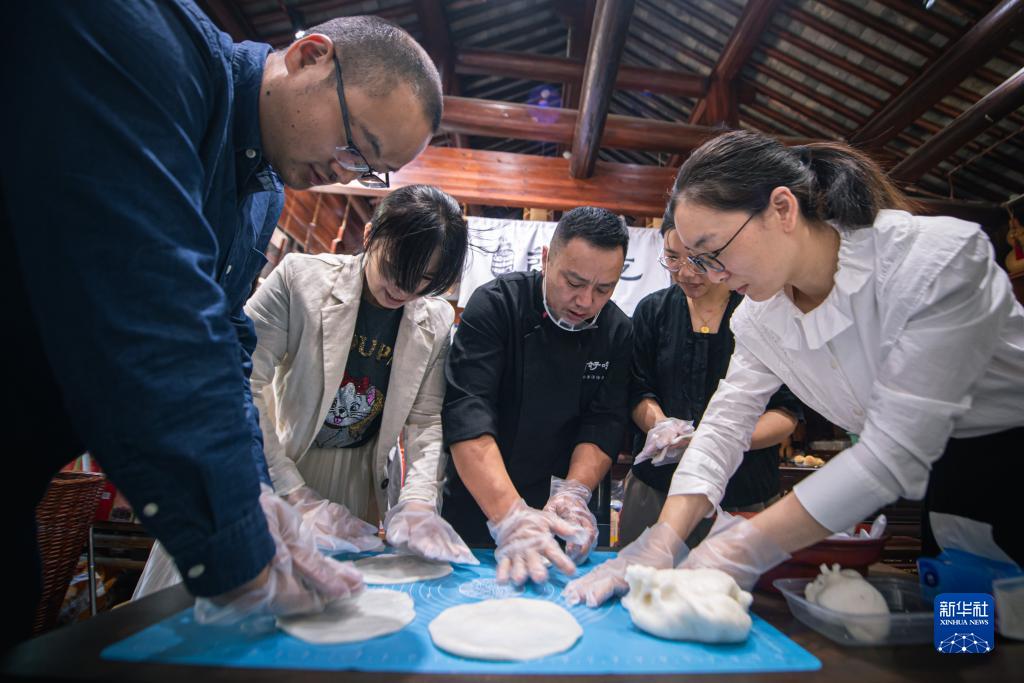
980	479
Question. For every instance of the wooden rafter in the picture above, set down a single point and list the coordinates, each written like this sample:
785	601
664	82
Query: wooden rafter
537	67
545	124
522	180
607	37
998	103
976	47
579	17
720	104
437	41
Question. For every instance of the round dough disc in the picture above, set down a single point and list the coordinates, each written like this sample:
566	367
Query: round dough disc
513	629
384	569
370	614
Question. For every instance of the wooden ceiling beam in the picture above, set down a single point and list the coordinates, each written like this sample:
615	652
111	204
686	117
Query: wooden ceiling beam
545	124
766	119
579	17
520	180
434	28
720	104
891	30
850	41
997	104
437	41
607	38
830	57
826	126
820	76
970	52
537	67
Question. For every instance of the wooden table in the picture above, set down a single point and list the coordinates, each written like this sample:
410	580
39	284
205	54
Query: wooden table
73	653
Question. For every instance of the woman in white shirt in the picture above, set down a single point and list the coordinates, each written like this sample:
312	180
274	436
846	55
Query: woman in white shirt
896	327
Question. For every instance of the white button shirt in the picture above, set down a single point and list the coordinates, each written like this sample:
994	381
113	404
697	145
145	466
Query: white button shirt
919	340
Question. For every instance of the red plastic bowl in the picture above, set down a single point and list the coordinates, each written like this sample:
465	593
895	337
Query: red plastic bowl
855	554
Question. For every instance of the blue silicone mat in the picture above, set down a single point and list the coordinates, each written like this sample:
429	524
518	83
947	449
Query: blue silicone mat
610	643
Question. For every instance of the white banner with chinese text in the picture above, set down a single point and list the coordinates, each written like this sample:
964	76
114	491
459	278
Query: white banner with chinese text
501	246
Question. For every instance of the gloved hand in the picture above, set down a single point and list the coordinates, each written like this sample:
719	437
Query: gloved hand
526	538
738	548
298	580
666	441
415	527
658	546
568	499
333	527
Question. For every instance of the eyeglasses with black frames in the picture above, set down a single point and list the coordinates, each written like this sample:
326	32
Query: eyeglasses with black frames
349	157
709	259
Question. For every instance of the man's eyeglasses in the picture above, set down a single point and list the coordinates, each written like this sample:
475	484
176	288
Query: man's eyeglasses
349	157
709	259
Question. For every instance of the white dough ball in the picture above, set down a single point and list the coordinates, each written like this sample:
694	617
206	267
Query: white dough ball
701	605
846	591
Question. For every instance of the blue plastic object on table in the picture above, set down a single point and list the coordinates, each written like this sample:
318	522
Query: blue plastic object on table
610	643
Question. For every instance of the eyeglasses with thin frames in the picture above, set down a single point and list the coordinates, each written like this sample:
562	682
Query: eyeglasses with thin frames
709	259
349	157
674	264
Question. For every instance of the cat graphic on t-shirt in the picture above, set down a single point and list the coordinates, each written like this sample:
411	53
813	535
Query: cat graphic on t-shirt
355	406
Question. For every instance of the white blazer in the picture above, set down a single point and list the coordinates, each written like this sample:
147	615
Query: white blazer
305	316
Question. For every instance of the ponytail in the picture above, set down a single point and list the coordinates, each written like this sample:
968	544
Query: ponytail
846	186
832	182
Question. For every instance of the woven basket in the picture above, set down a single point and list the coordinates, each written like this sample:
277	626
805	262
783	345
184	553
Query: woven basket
64	516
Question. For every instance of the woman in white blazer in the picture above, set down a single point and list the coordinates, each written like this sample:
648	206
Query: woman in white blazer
350	352
899	328
317	413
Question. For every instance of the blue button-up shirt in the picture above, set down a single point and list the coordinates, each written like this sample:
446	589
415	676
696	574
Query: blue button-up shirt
139	204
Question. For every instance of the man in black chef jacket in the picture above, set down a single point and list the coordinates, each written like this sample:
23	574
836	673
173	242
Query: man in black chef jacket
536	406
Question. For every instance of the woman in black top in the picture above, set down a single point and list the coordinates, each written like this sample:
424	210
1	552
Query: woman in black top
681	349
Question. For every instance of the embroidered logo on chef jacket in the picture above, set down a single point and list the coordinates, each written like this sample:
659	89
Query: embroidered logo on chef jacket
595	369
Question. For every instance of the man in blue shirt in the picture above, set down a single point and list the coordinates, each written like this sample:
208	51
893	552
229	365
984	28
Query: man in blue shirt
143	157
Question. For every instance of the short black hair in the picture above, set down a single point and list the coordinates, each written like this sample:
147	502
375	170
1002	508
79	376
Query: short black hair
409	226
668	221
377	55
598	227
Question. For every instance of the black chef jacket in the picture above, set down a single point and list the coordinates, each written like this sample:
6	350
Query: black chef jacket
680	369
537	389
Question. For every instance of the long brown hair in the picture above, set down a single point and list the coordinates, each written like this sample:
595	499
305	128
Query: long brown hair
737	171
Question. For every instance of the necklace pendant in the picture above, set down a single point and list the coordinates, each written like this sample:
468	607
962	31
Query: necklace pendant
704	329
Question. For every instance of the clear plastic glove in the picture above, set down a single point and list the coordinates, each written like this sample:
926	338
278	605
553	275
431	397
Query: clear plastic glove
568	500
666	441
333	527
658	546
298	580
526	544
738	548
415	527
